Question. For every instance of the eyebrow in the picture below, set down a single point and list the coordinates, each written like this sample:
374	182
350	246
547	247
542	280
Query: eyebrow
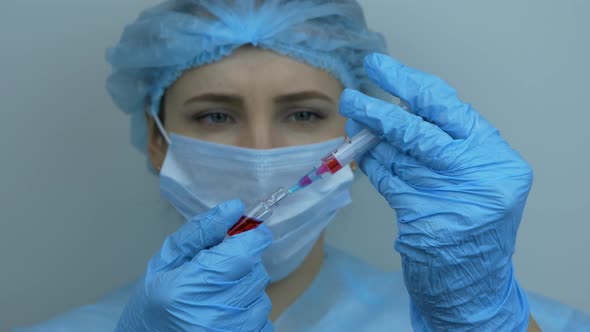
215	98
237	99
304	95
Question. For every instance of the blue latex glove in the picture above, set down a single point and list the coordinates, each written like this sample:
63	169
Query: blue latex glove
196	282
459	192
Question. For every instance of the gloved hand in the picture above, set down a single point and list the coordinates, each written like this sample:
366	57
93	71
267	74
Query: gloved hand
196	282
459	192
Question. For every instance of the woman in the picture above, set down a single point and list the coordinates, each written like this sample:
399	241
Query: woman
232	99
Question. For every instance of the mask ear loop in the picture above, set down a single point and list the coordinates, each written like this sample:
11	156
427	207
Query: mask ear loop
161	128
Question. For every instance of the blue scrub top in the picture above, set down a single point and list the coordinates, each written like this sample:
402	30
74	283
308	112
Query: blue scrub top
347	295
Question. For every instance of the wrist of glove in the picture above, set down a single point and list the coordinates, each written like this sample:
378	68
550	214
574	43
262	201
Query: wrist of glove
453	297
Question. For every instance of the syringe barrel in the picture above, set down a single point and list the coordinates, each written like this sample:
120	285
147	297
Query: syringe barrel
259	211
262	210
356	146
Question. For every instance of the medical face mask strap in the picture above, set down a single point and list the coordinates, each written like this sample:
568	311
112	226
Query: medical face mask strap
161	128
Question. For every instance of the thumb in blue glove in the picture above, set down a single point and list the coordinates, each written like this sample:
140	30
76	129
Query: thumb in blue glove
459	192
199	282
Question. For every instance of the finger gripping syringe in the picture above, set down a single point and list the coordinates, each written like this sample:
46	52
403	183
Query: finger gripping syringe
352	149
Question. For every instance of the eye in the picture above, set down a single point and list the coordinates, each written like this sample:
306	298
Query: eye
213	118
302	116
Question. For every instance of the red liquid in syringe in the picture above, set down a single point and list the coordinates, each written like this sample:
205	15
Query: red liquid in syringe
329	164
243	224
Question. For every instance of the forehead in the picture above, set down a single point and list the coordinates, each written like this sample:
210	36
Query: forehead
252	70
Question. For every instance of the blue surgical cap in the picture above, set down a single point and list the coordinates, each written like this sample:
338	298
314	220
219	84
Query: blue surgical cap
178	35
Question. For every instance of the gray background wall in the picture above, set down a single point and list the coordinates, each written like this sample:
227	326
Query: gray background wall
80	215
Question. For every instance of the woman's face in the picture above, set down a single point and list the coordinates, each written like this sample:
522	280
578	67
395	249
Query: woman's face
252	99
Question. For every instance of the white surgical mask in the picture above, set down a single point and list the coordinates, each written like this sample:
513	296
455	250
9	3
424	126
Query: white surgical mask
198	175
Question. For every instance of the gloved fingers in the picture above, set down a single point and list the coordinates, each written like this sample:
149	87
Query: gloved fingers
214	287
267	327
236	256
249	288
191	289
382	178
201	232
200	285
410	170
409	133
390	157
353	127
222	317
229	318
384	152
429	96
258	315
425	178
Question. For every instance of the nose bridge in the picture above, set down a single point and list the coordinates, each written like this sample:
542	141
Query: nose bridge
260	133
258	130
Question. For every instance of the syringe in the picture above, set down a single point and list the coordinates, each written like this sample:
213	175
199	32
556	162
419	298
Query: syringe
352	149
258	213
